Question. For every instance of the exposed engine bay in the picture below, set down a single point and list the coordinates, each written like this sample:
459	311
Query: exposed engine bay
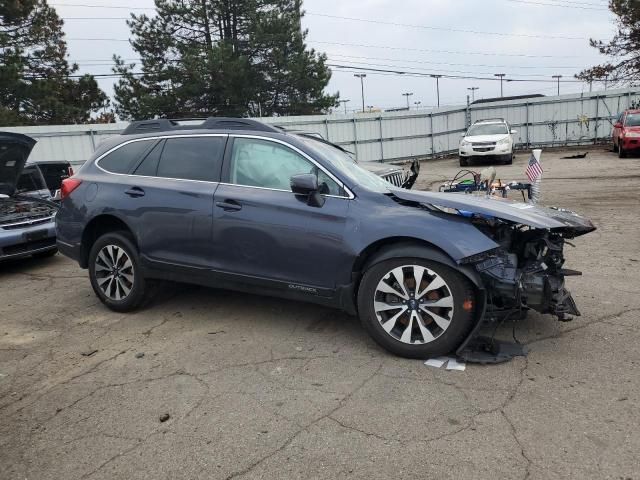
526	272
23	209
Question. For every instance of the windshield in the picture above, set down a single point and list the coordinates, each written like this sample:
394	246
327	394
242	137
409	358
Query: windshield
487	129
632	120
346	166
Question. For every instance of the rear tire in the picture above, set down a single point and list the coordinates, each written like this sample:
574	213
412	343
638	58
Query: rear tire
115	274
407	336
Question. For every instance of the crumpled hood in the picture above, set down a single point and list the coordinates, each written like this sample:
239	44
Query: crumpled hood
535	216
14	151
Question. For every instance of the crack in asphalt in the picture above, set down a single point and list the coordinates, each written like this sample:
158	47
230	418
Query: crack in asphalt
290	440
603	319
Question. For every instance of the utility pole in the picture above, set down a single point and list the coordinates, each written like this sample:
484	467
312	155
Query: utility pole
417	104
557	77
361	76
606	81
407	95
344	102
473	92
437	77
501	75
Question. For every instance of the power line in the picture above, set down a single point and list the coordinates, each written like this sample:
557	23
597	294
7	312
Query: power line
450	52
366	20
529	2
447	29
449	71
386	47
109	61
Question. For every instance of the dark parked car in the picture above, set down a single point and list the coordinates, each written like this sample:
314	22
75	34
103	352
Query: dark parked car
53	173
27	217
237	204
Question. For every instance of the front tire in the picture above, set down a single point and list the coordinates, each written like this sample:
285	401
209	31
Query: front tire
509	160
115	274
464	162
416	308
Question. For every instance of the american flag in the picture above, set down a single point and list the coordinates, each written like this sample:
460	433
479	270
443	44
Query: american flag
534	169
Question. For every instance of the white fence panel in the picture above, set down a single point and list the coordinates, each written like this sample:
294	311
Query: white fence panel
384	136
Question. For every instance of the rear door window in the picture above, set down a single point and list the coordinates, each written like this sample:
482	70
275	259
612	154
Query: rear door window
192	158
125	157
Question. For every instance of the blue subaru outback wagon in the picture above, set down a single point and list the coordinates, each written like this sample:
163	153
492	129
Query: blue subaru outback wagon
237	204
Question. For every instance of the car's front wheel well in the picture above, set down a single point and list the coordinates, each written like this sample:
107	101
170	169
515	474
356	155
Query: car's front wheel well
97	227
394	247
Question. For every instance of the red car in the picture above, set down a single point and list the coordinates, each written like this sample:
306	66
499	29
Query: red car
626	132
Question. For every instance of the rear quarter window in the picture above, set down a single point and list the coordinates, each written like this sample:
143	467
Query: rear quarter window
122	159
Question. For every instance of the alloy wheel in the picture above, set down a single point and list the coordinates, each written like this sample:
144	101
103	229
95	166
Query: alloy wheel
114	272
413	304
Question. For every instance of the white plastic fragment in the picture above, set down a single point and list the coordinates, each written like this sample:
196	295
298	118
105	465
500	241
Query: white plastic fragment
436	362
452	363
456	365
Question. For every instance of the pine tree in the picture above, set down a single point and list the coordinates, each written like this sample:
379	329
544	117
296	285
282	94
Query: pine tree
36	83
221	57
623	48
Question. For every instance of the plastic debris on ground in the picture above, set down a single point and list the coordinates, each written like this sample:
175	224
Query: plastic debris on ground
451	363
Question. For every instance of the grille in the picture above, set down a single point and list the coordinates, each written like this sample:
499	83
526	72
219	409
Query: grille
30	222
483	146
395	178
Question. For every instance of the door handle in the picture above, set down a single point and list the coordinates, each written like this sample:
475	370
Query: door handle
229	206
135	192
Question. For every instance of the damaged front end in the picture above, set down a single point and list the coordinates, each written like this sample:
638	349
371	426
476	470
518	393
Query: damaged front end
525	268
526	272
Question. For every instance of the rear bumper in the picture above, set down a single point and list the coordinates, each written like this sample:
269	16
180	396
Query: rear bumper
69	250
23	242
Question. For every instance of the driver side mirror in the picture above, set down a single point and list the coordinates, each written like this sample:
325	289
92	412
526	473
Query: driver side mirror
306	184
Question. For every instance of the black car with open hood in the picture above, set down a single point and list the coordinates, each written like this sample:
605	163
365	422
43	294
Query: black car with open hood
27	224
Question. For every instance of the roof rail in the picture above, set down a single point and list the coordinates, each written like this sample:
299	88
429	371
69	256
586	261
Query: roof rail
210	123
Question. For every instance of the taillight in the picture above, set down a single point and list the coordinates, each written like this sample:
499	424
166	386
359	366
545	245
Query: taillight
68	186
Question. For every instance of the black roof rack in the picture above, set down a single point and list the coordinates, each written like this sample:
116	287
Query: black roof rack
211	123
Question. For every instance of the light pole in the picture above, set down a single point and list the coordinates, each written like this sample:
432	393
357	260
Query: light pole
437	77
344	102
558	77
473	92
417	104
501	75
407	95
361	76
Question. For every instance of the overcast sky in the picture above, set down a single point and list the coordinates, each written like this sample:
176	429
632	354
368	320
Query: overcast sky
526	39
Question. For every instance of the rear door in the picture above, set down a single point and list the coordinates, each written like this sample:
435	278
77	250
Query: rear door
171	191
264	231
